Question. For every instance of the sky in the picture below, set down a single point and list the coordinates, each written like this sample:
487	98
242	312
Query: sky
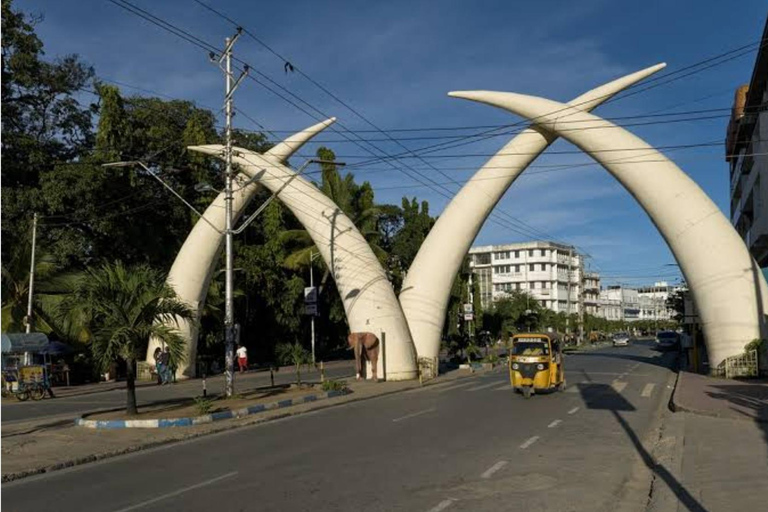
393	62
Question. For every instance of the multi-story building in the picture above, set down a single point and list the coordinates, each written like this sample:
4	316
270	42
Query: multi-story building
591	295
630	304
653	301
620	303
551	273
746	150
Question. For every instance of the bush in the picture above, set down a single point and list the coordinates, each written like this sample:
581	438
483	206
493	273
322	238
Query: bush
203	405
334	385
756	344
492	358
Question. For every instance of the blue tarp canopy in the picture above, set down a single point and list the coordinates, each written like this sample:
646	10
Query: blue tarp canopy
20	342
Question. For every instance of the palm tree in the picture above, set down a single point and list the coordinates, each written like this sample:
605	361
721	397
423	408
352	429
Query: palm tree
295	354
52	286
123	308
356	201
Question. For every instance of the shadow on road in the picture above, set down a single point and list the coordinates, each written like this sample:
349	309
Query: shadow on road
747	399
663	359
604	397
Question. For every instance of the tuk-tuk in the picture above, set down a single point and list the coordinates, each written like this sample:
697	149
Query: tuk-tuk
536	364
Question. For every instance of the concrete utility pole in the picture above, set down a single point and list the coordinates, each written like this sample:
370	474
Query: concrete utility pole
312	256
31	275
229	316
568	298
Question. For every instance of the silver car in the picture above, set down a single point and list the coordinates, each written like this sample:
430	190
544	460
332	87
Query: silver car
621	339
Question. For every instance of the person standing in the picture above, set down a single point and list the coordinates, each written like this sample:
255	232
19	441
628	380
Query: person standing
242	358
158	365
165	359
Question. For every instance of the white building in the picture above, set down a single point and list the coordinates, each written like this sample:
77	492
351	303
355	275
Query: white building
631	304
620	303
550	272
746	148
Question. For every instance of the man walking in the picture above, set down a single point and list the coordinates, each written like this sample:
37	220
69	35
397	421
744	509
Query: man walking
242	358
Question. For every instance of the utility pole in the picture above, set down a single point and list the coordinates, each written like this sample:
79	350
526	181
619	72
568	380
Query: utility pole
31	275
312	316
568	298
229	316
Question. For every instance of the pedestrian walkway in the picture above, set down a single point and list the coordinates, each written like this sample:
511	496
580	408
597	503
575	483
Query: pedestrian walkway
722	398
712	454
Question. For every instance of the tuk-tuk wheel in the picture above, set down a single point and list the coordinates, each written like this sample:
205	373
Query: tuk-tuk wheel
561	386
527	391
22	396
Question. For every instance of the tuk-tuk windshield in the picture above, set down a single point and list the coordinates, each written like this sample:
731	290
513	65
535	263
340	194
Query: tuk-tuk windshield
530	348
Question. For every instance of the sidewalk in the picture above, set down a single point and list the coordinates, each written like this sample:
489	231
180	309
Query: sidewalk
32	449
101	387
712	454
721	398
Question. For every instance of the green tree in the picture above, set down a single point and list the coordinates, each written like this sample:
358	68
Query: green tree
123	308
295	354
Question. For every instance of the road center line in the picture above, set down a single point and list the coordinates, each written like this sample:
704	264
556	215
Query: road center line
478	388
554	423
413	415
490	471
178	492
442	505
529	442
573	411
647	390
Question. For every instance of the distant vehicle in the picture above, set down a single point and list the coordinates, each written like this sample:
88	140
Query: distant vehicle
667	340
621	339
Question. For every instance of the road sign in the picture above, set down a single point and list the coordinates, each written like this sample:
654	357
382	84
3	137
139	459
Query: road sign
469	316
468	308
310	309
310	295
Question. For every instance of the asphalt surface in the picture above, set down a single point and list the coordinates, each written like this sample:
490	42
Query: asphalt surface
57	408
469	445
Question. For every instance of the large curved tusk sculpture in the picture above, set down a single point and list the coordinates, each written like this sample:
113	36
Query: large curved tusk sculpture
724	279
369	300
426	288
193	267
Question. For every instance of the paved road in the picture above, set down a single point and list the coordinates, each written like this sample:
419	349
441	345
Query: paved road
16	412
470	445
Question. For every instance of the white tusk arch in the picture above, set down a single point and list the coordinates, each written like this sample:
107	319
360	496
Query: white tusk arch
191	272
426	288
725	281
369	300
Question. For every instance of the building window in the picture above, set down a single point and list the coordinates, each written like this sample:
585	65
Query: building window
530	252
517	268
530	267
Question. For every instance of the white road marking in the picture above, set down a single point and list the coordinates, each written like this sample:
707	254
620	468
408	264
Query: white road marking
490	471
505	387
572	389
455	386
554	423
529	442
647	390
178	492
413	415
442	505
618	386
573	411
478	388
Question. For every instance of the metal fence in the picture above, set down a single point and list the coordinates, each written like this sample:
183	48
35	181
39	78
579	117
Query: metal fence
743	365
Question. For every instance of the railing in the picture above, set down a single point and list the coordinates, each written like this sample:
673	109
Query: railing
743	365
428	367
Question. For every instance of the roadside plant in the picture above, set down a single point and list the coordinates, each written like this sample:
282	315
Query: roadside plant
122	309
295	354
334	385
203	405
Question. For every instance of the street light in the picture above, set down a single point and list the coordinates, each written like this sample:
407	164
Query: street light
312	256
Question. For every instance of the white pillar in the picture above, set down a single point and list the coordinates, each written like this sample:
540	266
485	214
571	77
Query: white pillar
195	262
369	300
427	286
725	281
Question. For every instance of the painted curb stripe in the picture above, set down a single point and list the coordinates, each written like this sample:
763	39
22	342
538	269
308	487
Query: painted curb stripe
207	418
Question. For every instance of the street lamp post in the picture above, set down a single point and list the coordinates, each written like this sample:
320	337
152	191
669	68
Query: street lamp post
312	256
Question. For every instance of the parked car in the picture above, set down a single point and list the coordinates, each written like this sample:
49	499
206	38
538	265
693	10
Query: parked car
667	340
621	339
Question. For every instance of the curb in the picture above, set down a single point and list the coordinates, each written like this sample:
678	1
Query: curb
206	418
